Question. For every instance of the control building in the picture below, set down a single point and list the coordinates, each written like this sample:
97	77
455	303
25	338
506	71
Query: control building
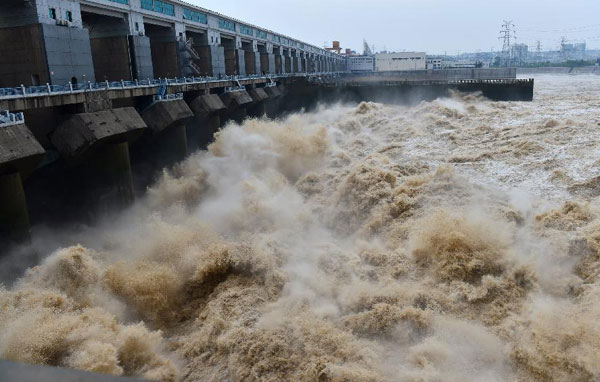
358	64
405	61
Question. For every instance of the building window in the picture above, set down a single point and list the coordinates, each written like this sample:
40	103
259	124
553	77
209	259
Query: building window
158	6
69	16
53	13
226	24
120	1
137	27
198	17
246	30
261	34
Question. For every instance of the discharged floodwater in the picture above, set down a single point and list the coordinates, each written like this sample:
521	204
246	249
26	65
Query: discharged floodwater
456	240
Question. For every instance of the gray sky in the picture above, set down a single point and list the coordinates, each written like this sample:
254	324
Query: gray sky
434	26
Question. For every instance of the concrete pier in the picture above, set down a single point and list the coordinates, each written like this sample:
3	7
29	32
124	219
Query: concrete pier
112	182
166	121
79	135
14	216
259	98
98	142
20	153
207	110
237	102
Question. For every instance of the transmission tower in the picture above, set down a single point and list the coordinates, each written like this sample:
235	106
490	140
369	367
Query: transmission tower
507	34
538	50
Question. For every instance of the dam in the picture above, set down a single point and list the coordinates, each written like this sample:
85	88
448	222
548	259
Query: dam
102	93
189	197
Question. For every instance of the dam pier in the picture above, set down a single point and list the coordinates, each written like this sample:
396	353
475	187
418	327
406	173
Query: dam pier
98	95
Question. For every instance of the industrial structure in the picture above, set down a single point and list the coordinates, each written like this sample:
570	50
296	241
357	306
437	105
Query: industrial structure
358	64
390	62
66	41
95	94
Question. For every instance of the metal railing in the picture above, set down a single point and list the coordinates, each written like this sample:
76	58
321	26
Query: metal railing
231	89
36	91
167	97
437	82
10	119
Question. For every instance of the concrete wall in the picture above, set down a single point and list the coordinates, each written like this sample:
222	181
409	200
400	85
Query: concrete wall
15	14
439	75
22	55
385	62
111	58
141	56
559	70
361	64
250	62
165	60
68	54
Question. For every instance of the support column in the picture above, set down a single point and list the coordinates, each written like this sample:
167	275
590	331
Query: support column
212	60
20	154
288	67
113	180
14	215
251	58
267	58
296	68
236	103
166	122
207	109
141	57
239	114
259	98
98	144
279	63
272	104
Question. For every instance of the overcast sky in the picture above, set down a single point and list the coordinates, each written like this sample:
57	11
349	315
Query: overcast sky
434	26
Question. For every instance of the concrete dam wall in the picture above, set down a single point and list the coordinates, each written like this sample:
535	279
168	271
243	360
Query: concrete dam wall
559	70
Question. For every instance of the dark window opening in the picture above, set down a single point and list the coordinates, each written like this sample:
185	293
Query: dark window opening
74	80
35	80
137	27
53	13
69	16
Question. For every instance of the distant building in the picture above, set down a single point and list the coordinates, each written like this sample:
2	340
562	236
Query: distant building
446	62
519	53
361	64
573	51
391	62
434	63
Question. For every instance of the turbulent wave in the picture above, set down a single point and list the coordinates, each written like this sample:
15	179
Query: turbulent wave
457	240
